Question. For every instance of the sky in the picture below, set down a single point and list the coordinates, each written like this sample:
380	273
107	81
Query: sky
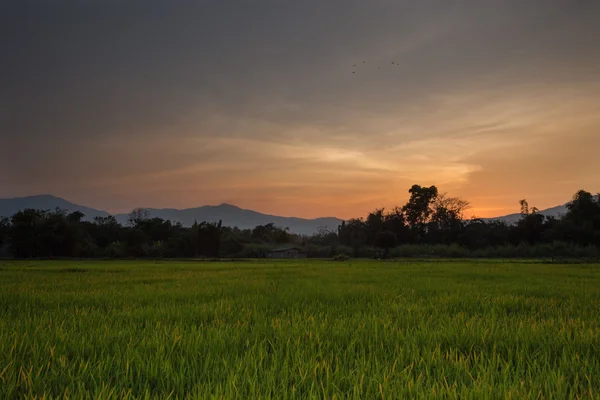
122	104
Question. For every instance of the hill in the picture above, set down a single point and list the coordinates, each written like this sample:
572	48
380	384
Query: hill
229	214
8	207
556	212
235	216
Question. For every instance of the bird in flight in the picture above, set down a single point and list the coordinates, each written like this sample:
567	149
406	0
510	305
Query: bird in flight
354	70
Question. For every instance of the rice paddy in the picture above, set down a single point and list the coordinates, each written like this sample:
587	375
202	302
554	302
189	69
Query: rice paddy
299	330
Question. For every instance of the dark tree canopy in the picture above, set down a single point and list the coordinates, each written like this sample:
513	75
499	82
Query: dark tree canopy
418	209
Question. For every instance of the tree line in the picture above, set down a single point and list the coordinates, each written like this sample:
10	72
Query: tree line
430	223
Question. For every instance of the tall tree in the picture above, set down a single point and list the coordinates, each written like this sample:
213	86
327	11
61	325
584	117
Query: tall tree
138	216
524	207
26	233
581	224
396	222
447	218
353	234
530	227
374	224
418	210
208	236
106	230
584	207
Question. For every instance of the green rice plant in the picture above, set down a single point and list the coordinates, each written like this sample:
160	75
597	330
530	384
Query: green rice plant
299	329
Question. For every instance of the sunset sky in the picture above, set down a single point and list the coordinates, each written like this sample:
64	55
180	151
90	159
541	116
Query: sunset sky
118	104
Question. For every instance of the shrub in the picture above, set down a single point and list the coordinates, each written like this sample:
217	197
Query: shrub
346	250
319	251
114	250
368	252
254	251
155	250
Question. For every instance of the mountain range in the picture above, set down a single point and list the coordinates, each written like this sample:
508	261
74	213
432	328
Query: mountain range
230	215
556	212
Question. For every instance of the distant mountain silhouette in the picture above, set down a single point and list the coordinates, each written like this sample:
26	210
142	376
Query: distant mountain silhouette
556	212
229	214
8	207
244	219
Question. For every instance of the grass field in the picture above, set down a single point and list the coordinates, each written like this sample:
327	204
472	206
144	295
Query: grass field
307	329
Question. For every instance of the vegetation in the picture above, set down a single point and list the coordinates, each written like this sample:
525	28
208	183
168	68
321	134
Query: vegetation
430	223
309	329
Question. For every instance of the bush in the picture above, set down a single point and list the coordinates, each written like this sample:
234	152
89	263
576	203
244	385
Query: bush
230	247
341	257
89	249
155	250
114	250
369	252
319	251
254	251
346	250
406	250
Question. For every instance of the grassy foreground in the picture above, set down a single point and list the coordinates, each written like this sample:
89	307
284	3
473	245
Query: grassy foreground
307	329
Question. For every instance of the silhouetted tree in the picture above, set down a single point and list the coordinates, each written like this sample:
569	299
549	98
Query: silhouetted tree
106	230
395	222
478	234
26	233
231	243
446	221
208	238
138	216
323	237
352	234
135	242
385	240
582	220
530	227
524	207
418	210
374	224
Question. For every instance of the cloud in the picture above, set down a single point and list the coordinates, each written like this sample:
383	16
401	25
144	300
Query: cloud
117	105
